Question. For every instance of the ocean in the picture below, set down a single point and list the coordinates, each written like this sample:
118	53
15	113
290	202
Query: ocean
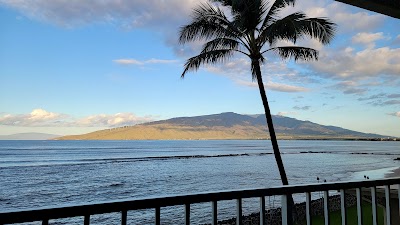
37	174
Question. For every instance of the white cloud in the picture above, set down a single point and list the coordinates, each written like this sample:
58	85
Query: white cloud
114	120
306	107
360	21
342	14
275	86
286	113
397	114
143	62
41	114
128	62
348	63
396	41
128	13
386	103
43	118
285	87
239	70
350	87
38	117
367	39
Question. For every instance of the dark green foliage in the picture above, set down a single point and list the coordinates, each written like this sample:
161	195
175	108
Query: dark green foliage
335	217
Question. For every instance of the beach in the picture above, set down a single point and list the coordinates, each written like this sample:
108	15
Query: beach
393	173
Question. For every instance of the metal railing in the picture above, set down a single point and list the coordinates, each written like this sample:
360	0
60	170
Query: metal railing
85	211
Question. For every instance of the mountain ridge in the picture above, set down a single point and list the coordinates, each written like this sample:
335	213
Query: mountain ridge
226	125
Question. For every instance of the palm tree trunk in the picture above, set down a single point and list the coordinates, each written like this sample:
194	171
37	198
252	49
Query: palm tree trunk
275	147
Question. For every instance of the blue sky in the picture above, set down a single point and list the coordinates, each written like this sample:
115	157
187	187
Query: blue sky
70	67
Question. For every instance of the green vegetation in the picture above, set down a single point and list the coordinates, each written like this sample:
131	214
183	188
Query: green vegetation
336	218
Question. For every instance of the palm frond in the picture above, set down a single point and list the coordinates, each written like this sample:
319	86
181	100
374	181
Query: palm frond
285	28
320	28
297	25
276	7
199	30
208	22
296	53
220	43
210	57
248	14
224	2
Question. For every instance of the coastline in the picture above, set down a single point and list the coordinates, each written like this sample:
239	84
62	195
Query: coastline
393	173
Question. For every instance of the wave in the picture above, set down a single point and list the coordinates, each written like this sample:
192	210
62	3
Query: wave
116	184
50	162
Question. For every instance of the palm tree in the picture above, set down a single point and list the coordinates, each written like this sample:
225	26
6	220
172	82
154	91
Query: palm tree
253	29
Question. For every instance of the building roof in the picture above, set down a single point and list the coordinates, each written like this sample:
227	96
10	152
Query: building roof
386	7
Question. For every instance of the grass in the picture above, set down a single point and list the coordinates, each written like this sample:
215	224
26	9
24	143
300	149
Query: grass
336	218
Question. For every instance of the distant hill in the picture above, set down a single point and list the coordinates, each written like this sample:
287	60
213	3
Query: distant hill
222	126
29	136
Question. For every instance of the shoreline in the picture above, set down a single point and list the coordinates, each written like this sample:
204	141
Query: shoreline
393	173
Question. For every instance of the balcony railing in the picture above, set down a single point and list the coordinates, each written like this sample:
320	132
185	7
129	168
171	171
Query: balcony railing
369	189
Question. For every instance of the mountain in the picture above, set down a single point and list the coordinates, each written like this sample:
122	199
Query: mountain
222	126
29	136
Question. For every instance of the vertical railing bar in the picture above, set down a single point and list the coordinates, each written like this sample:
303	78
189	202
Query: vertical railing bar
387	197
239	211
214	213
374	206
157	220
187	214
44	222
262	210
86	220
343	206
308	208
359	206
124	215
326	207
398	195
284	210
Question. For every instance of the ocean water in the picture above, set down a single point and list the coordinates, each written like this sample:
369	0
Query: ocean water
36	174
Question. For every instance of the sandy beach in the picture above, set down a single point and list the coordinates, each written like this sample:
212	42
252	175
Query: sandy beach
393	173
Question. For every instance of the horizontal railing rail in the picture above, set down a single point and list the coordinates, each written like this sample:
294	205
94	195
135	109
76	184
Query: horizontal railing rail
45	214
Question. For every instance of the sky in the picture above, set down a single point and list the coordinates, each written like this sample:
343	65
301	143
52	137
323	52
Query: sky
72	67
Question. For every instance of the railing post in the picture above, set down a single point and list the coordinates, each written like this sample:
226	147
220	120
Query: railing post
326	207
285	215
124	215
239	211
86	220
398	195
157	220
359	206
187	214
214	213
45	222
262	210
343	206
374	206
308	208
388	210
